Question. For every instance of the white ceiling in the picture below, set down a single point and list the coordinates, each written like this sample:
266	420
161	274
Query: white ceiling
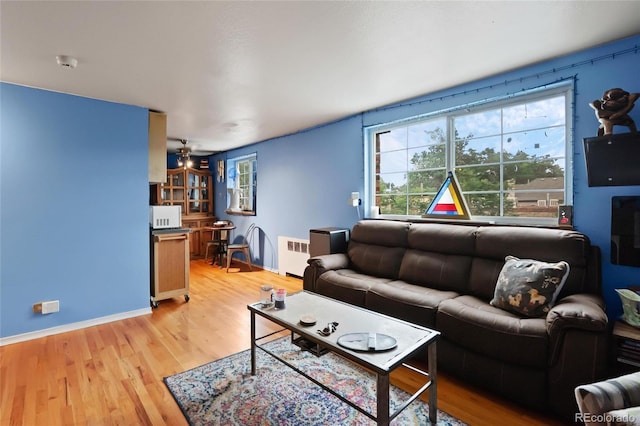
230	73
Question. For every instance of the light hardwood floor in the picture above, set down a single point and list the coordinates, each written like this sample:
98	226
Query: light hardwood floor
111	374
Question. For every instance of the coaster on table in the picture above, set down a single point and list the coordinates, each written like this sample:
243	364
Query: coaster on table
307	320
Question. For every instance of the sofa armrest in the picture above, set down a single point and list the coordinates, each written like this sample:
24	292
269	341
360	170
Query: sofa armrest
330	261
578	347
583	311
319	265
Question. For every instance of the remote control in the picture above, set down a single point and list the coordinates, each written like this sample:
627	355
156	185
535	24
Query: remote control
372	341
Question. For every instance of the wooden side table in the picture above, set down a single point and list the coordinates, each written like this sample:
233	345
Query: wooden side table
626	347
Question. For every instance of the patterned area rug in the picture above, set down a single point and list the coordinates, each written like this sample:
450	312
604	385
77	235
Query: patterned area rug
224	392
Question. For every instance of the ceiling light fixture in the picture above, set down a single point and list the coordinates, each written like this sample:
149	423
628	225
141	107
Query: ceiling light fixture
67	61
184	155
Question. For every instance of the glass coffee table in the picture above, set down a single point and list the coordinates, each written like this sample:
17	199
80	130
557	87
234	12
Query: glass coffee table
393	342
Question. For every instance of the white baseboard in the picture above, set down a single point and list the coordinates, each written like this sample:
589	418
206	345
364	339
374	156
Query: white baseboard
71	327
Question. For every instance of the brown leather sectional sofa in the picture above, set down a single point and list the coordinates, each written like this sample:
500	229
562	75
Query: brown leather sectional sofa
443	276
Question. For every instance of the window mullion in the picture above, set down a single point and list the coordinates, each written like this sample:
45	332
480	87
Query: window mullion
451	144
407	168
501	195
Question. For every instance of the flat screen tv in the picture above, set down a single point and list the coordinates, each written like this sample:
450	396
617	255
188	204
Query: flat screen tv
625	230
613	160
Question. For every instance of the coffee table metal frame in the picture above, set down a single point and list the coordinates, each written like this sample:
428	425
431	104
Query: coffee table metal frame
382	363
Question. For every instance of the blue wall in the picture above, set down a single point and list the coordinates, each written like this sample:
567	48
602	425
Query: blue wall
305	179
304	182
74	216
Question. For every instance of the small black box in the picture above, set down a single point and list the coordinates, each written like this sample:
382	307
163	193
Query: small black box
327	241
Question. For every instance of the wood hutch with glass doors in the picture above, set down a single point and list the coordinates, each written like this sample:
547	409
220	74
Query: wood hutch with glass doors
192	190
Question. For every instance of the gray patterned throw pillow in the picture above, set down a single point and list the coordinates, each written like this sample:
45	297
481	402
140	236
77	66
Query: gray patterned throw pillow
529	287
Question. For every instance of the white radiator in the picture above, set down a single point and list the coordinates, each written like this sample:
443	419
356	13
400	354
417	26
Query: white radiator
292	256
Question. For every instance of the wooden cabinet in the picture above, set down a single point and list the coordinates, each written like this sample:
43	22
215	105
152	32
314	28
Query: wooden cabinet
157	147
169	265
173	191
190	189
199	236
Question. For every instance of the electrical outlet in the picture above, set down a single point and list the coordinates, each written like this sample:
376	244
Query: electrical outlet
47	307
355	199
50	307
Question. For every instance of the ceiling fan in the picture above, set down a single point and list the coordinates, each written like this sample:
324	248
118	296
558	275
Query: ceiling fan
179	146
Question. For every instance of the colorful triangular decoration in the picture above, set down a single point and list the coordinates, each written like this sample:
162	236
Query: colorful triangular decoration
449	203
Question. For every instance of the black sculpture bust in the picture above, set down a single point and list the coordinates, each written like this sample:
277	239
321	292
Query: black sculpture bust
613	109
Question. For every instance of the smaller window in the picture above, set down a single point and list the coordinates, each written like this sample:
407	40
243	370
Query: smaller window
241	184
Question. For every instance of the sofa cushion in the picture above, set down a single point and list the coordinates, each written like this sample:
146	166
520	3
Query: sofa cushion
549	245
347	285
376	247
529	287
497	242
479	327
406	301
439	271
386	233
439	256
443	238
524	384
483	277
377	261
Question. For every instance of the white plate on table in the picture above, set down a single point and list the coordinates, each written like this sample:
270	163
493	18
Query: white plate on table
369	342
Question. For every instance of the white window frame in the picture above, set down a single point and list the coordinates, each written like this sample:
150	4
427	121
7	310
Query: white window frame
526	96
244	182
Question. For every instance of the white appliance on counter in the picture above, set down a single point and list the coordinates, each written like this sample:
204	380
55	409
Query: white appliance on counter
165	217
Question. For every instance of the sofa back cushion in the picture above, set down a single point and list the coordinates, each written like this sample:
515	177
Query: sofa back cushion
436	270
439	256
443	238
376	247
494	243
386	233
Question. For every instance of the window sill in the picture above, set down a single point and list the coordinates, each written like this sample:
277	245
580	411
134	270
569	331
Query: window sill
240	212
506	221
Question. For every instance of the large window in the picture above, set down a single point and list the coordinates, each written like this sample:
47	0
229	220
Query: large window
509	156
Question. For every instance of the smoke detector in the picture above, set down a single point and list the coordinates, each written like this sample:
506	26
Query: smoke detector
67	61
